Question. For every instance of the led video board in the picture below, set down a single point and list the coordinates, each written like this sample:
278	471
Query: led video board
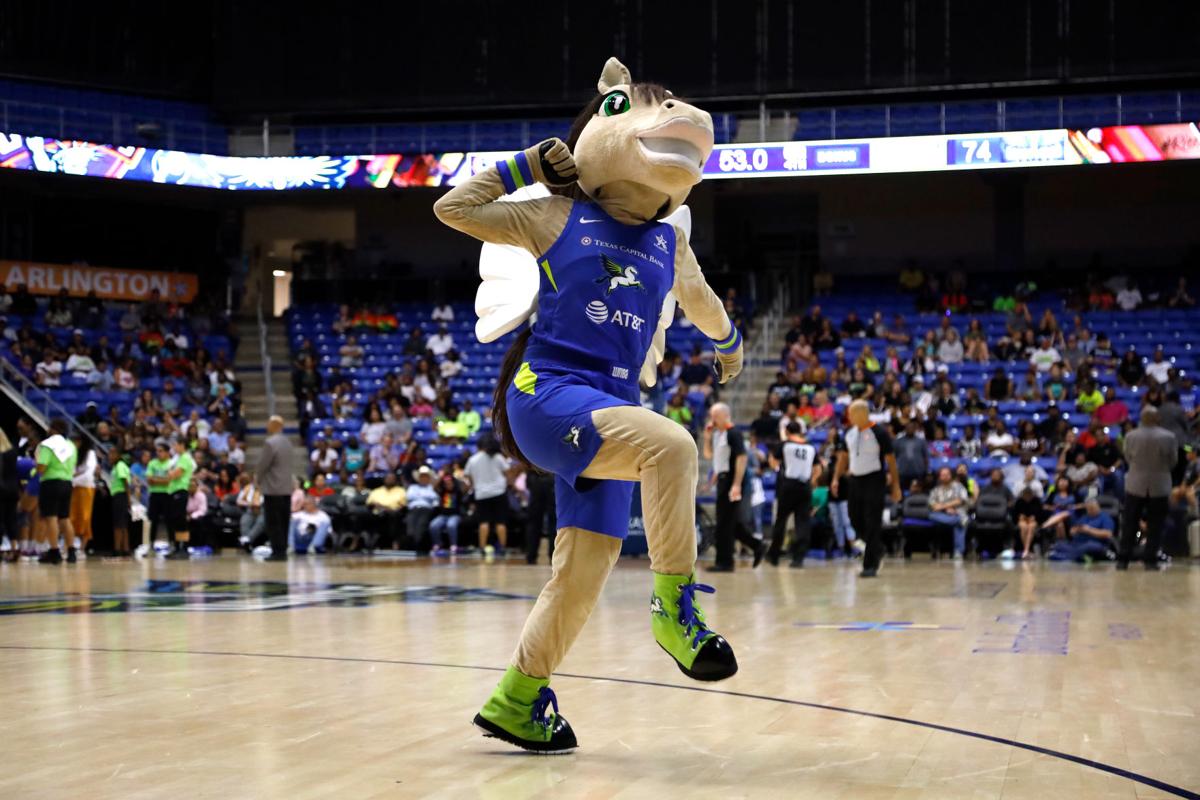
1024	149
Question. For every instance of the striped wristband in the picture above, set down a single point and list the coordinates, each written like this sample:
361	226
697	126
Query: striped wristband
730	344
515	172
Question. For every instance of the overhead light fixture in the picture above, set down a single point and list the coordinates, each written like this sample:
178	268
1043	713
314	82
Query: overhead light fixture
278	273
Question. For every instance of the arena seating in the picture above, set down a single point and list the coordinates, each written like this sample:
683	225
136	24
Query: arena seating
1175	331
68	113
384	355
75	394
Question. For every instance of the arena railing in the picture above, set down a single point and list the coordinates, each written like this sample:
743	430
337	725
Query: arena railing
263	350
759	351
37	403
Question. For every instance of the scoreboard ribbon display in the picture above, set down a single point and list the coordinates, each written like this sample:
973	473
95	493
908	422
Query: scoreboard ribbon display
1023	149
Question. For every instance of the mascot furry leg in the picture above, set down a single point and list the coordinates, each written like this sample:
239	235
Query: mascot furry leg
610	259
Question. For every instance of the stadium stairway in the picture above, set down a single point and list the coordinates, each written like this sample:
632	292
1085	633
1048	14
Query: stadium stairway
255	403
758	372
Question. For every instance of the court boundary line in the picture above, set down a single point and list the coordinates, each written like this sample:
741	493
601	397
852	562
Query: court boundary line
1100	766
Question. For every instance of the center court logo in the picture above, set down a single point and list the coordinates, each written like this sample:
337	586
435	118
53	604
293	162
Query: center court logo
597	312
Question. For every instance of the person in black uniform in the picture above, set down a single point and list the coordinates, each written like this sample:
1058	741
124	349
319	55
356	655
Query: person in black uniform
723	443
541	508
796	461
869	463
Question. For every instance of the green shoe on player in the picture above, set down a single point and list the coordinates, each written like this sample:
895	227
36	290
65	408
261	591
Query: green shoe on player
516	713
679	628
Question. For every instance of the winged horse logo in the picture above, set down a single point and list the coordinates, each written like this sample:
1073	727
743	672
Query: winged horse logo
617	276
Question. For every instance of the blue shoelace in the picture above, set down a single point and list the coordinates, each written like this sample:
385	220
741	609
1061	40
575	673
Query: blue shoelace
687	611
545	699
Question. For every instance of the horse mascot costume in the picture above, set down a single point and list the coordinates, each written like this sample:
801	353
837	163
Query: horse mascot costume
599	261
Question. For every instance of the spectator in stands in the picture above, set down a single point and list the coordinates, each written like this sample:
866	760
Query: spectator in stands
1129	298
49	369
351	353
950	351
442	313
999	442
387	503
1083	473
1028	440
1088	397
1130	371
319	487
80	363
827	338
912	455
422	504
1158	371
447	515
353	457
1044	356
1073	355
697	376
372	430
852	327
470	417
441	342
323	458
414	345
6	300
1180	298
309	528
1103	355
969	444
976	342
58	311
1028	511
998	387
948	506
1113	411
385	456
452	364
1178	423
124	377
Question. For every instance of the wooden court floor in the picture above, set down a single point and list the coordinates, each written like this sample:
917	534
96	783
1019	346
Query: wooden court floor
345	678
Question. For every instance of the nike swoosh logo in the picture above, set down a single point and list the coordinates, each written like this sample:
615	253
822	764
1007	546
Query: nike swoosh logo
583	221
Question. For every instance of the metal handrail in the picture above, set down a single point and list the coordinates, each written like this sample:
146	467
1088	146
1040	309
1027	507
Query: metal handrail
262	350
759	350
24	387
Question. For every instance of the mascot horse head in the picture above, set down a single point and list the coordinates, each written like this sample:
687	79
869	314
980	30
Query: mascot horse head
638	149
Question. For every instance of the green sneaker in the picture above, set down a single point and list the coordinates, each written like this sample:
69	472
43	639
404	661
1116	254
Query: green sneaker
680	629
516	713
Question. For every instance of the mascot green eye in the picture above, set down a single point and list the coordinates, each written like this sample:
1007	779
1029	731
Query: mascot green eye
614	103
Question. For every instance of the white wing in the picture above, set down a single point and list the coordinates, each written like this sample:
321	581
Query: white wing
508	293
682	217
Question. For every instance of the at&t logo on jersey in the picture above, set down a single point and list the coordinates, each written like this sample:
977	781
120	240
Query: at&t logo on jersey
598	313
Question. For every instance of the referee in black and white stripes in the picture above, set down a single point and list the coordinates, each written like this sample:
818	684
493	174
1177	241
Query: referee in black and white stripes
796	461
869	464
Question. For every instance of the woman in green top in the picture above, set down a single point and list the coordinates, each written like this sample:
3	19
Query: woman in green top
56	457
182	468
160	497
118	489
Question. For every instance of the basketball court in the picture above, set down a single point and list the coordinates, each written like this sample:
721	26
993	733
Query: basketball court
343	677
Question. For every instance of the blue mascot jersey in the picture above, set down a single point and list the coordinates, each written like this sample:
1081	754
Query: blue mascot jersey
601	293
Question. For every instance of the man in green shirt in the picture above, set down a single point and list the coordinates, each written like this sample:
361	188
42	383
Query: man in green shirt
180	478
56	457
470	417
160	496
118	489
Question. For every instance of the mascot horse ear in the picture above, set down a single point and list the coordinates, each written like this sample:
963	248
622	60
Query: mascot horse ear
615	74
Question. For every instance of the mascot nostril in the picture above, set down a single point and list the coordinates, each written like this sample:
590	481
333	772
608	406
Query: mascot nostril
593	246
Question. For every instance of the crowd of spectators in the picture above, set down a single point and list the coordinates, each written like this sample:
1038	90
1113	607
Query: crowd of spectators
1050	462
148	380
